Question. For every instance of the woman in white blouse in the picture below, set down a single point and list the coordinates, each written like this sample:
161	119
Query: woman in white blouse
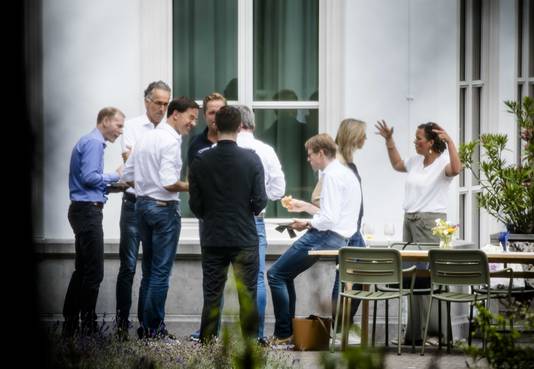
430	173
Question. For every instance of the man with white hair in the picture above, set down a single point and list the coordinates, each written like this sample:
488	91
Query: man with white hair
275	186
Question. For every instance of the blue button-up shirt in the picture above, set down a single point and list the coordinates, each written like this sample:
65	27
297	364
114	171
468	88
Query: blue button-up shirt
87	181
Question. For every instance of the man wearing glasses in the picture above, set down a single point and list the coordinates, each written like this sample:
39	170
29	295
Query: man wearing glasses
157	96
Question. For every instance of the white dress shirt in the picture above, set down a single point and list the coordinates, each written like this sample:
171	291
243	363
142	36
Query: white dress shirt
275	182
156	162
340	201
134	129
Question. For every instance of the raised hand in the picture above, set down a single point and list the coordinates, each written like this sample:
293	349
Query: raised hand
383	129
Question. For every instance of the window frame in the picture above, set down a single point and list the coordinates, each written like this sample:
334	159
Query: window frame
157	64
471	219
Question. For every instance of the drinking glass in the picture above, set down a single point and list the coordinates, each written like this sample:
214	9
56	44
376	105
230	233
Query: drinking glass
389	231
368	231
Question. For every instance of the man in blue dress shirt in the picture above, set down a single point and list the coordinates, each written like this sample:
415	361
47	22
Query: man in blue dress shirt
88	189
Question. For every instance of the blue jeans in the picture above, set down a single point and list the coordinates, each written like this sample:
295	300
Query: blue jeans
293	262
159	227
355	241
261	294
128	252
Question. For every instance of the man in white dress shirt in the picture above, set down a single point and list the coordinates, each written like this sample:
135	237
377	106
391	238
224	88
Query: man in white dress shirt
156	96
154	167
275	187
330	228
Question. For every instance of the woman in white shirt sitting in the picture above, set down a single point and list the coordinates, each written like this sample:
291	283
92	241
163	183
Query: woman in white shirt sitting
430	173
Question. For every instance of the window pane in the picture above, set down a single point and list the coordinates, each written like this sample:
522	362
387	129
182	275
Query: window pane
520	38
462	129
477	39
205	48
462	217
519	147
286	130
286	49
476	131
475	221
462	39
531	38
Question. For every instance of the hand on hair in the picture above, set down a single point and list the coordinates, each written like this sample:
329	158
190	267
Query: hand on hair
442	134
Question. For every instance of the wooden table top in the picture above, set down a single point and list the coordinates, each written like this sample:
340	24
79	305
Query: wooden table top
422	255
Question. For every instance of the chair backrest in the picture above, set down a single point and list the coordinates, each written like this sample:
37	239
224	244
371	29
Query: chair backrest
458	267
369	266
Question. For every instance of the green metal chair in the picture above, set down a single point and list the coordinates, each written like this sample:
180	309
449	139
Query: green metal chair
510	293
456	268
416	291
369	267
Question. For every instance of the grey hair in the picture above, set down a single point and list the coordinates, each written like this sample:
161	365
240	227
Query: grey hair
156	85
247	116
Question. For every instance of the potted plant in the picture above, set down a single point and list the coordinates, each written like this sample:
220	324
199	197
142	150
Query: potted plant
507	189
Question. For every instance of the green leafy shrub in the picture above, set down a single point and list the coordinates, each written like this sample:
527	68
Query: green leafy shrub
507	189
504	347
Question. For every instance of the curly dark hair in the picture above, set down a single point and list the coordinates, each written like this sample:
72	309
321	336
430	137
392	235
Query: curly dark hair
439	145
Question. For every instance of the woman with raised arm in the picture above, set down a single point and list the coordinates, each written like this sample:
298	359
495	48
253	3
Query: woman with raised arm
430	173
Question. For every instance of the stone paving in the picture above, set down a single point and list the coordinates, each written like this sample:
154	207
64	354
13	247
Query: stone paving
408	360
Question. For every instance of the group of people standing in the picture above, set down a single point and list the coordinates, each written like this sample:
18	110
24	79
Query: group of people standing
231	176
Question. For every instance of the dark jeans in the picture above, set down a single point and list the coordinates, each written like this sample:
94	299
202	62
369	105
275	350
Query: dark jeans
294	261
355	241
128	253
159	228
215	262
86	221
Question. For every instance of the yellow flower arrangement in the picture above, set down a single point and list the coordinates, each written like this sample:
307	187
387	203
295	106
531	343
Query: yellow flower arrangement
444	230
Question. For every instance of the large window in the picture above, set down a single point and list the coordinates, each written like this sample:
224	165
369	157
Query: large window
261	53
525	58
472	72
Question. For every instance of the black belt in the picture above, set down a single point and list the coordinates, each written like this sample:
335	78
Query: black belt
129	196
99	205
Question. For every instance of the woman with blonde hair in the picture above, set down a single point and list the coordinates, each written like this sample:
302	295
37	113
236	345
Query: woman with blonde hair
350	137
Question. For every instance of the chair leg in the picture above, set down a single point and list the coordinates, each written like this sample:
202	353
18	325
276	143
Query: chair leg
440	330
426	325
338	307
374	324
413	320
470	329
399	323
449	327
343	323
387	323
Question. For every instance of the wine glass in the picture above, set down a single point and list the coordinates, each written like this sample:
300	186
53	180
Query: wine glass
368	231
389	231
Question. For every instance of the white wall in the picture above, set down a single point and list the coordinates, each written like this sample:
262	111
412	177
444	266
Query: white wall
399	63
396	51
91	60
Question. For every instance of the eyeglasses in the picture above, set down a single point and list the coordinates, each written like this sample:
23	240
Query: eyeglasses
158	103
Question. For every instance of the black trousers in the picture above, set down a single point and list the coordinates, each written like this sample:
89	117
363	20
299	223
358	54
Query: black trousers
86	221
215	263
